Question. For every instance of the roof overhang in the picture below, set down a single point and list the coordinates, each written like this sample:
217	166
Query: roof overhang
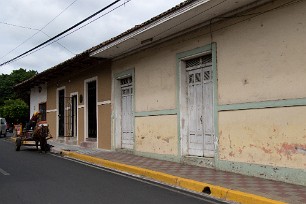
170	25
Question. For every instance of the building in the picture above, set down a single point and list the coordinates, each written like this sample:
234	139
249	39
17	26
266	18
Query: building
212	83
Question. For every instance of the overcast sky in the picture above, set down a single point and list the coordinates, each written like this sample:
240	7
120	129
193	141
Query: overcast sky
34	15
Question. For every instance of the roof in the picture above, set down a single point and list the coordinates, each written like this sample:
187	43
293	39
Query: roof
84	57
77	63
183	16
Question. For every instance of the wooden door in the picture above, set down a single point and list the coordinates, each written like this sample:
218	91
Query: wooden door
200	107
92	109
127	115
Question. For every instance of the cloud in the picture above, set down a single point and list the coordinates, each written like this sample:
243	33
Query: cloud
37	13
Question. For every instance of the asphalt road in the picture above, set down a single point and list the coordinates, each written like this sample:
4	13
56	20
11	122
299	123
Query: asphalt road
32	177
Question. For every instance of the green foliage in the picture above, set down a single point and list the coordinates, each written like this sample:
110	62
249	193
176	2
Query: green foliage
11	106
8	81
15	110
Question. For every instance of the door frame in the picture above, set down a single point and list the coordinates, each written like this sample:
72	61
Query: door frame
116	107
86	107
182	93
57	110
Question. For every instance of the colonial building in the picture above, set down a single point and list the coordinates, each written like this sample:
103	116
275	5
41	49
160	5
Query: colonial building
212	83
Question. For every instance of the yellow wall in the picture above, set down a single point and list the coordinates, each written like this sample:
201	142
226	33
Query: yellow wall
51	118
156	134
263	58
74	82
104	126
81	136
274	136
155	79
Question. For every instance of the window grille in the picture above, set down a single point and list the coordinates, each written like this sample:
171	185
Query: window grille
205	60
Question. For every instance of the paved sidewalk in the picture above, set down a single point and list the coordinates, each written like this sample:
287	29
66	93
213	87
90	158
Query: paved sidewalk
274	190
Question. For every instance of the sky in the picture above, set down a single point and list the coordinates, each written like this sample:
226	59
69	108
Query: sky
24	24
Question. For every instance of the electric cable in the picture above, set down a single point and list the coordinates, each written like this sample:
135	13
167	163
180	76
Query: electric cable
38	30
65	31
123	4
25	27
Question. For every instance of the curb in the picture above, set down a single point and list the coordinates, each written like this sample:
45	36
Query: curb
200	187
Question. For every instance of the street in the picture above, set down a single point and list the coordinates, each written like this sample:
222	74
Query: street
32	177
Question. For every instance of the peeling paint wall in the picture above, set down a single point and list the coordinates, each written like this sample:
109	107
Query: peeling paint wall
156	134
274	136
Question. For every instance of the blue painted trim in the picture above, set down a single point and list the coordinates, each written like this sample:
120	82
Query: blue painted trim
296	176
156	113
263	104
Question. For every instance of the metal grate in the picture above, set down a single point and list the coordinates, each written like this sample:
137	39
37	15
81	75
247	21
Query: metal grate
126	81
207	75
203	60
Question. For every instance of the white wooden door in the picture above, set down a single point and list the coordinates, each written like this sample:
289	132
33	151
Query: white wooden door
200	107
127	124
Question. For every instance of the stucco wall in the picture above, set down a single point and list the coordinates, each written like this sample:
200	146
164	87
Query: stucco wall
37	97
74	83
104	126
51	117
274	136
263	58
81	136
156	134
155	79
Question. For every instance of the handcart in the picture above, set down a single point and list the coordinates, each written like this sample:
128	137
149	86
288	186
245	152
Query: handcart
35	137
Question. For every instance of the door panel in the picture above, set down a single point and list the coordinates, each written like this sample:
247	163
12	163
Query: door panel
61	113
74	112
92	110
195	113
127	116
200	107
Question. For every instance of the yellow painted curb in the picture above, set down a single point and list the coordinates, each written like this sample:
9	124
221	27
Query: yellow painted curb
216	191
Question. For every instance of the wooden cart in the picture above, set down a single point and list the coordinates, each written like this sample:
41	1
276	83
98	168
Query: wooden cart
36	137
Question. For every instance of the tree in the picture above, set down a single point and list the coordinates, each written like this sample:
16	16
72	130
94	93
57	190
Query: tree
8	81
14	110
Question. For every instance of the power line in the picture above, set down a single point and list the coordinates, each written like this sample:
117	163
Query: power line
25	27
19	26
56	41
38	30
58	35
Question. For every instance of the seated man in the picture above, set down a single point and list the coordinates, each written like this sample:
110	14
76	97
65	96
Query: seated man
34	119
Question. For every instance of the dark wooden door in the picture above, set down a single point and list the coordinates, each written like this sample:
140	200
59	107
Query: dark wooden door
92	110
74	112
61	112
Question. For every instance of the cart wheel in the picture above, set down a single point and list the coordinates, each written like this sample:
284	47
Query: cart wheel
18	144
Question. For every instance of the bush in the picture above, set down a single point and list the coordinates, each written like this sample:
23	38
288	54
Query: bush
15	110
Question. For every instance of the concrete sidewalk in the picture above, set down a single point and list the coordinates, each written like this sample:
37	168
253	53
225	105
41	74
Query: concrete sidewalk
219	184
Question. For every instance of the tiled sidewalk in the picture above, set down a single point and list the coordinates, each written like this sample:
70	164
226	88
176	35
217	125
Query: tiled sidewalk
275	190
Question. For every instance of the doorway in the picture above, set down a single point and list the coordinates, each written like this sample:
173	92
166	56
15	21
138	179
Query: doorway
200	106
61	112
127	124
74	115
92	109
